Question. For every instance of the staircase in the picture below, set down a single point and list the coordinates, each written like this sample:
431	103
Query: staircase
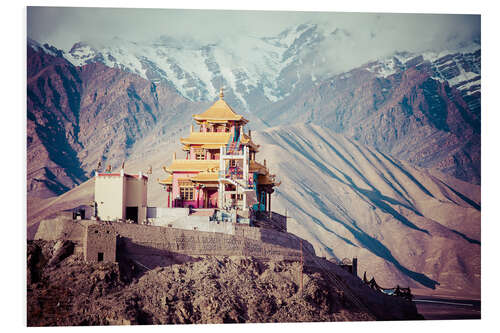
233	144
239	182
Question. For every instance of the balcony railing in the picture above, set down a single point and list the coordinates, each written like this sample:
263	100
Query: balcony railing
231	173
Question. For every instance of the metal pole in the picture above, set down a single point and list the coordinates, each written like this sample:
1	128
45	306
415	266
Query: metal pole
301	268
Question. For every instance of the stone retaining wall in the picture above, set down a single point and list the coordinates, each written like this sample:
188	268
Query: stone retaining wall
142	240
99	243
62	227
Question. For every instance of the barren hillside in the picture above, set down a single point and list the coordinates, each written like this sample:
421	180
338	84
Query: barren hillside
406	225
63	290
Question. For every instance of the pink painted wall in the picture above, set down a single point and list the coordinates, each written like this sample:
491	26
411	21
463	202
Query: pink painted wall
198	194
213	198
198	197
175	181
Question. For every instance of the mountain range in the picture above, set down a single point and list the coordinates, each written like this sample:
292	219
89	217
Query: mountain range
381	161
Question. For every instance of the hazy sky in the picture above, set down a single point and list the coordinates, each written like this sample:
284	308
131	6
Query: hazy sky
63	27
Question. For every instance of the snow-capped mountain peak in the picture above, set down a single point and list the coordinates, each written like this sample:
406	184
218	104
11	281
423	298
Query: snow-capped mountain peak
461	68
258	70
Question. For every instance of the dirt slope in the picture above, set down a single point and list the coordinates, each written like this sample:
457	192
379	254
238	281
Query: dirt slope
409	226
64	290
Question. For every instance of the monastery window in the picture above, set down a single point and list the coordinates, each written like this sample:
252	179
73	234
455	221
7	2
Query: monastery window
187	193
239	197
222	128
199	154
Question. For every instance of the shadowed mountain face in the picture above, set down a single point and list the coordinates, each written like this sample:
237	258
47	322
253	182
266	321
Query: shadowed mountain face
54	93
407	226
409	114
78	116
406	104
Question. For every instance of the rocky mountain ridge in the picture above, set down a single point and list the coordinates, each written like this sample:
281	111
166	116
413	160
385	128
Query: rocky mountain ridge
257	71
278	78
254	71
78	116
406	111
407	116
407	225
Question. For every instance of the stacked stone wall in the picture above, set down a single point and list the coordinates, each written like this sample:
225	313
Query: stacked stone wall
61	227
146	240
99	243
249	241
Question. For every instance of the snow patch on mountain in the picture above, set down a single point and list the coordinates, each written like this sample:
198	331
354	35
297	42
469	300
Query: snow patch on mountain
460	68
46	48
242	64
256	70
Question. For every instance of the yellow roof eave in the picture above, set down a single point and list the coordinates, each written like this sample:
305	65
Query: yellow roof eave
206	138
206	177
193	165
166	181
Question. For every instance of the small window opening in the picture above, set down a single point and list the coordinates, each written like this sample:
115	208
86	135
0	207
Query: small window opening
96	231
100	256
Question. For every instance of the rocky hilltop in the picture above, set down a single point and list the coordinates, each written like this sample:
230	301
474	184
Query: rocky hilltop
63	290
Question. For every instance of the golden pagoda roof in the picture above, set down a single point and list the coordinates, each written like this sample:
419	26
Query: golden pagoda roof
199	177
246	140
265	180
257	167
211	140
193	165
220	111
214	138
166	181
206	177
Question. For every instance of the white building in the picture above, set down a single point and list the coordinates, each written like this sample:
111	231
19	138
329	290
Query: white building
120	196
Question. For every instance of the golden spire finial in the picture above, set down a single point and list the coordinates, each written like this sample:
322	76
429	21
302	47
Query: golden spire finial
221	94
